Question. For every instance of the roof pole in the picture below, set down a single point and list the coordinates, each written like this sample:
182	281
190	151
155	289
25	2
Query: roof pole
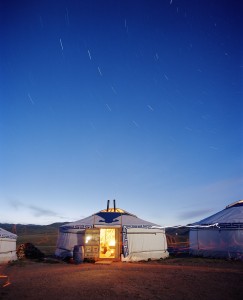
114	202
108	204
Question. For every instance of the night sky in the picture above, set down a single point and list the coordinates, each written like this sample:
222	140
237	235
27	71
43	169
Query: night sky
138	101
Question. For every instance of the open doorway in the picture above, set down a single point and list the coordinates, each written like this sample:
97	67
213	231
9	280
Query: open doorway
108	243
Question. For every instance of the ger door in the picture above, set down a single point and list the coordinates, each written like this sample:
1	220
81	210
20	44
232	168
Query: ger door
109	243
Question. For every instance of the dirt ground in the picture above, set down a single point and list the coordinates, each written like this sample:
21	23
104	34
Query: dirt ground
177	278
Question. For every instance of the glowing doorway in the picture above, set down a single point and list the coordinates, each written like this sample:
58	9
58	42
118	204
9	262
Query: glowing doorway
107	243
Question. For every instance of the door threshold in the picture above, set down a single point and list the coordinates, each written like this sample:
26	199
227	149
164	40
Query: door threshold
104	262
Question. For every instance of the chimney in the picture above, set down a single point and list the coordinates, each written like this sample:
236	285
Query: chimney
114	202
108	204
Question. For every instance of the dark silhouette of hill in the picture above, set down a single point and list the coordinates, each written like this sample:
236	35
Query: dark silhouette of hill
177	240
44	237
21	229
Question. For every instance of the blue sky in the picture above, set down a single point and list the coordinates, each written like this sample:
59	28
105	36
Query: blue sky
138	101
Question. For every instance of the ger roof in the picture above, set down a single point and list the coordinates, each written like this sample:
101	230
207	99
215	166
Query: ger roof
7	235
110	218
233	213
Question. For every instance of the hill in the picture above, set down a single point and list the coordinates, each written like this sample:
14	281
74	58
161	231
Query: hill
44	237
177	240
21	229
